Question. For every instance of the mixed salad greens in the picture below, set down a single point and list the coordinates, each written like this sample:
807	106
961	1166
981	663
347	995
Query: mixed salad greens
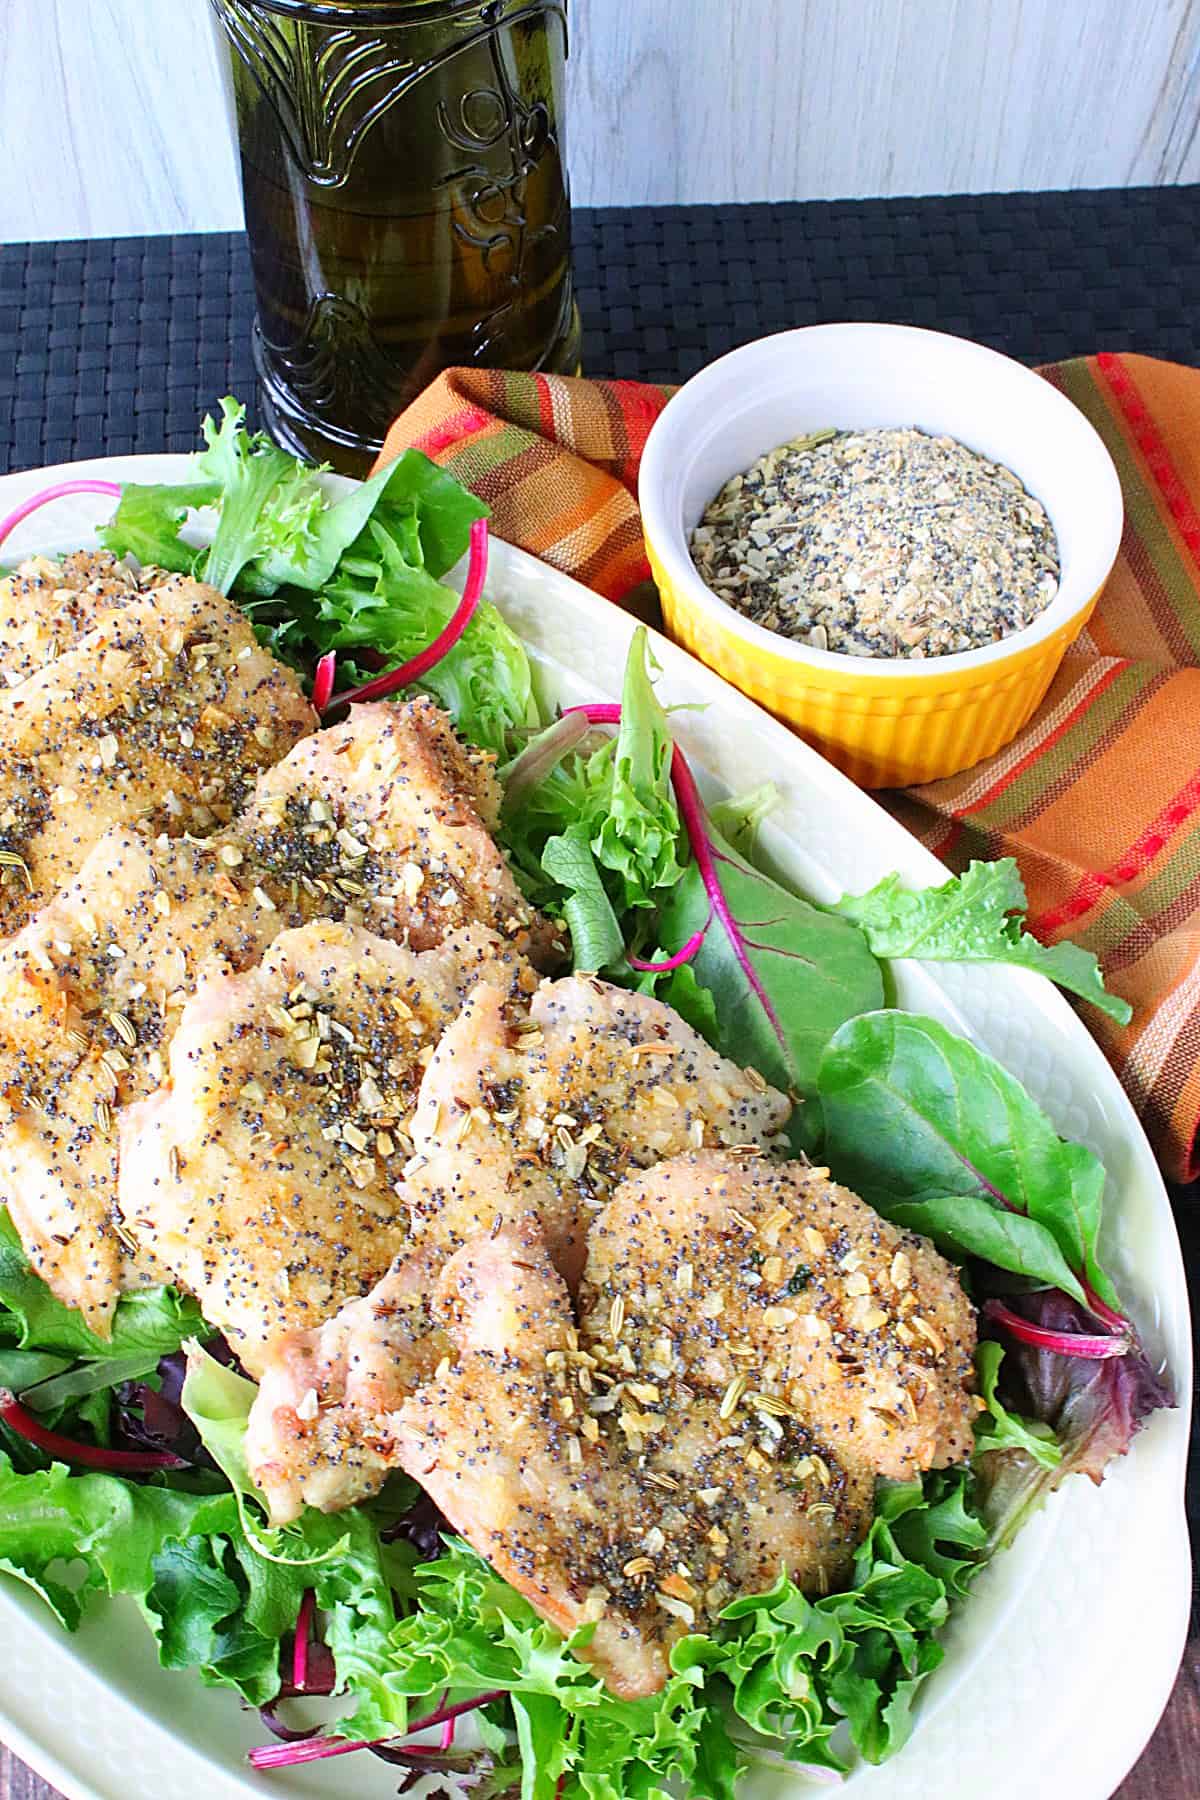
122	1469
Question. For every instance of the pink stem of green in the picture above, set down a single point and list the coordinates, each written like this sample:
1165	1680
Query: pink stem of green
691	811
1113	1320
91	1456
1060	1343
672	962
59	491
283	1756
323	680
300	1645
395	679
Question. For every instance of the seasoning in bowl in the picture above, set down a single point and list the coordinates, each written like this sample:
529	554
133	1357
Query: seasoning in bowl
885	542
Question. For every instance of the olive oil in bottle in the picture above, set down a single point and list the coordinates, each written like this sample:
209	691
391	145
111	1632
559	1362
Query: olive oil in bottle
406	202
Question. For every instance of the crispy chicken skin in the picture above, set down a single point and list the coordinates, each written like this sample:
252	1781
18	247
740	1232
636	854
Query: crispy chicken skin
264	1175
164	713
605	1495
548	1117
319	1432
387	818
732	1269
46	606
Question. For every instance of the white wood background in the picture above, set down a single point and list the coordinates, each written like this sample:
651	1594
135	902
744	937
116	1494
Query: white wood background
111	119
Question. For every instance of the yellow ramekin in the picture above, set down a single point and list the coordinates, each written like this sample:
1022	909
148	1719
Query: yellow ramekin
885	722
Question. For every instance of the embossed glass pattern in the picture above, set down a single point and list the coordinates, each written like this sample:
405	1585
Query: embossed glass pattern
406	202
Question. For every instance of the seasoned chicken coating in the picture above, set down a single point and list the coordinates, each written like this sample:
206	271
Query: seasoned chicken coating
319	1432
605	1496
147	916
91	990
746	1278
547	1118
164	712
46	606
265	1173
387	819
536	1112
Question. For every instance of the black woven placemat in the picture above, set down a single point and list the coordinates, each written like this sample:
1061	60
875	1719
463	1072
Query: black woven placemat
121	345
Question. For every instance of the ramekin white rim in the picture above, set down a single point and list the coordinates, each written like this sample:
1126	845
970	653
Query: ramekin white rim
665	535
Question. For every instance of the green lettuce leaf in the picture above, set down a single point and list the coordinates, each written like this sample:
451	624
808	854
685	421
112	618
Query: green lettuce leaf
596	940
977	916
383	598
108	1530
939	1137
411	499
616	803
999	1429
339	1556
680	989
416	510
637	836
149	1323
216	1607
738	818
149	519
360	572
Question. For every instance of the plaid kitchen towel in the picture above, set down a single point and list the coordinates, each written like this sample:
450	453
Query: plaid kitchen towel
1099	796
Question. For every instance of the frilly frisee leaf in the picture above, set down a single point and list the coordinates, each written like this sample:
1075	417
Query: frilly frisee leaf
977	916
815	1672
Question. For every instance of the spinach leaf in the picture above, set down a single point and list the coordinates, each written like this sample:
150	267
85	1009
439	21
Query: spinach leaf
783	974
915	1116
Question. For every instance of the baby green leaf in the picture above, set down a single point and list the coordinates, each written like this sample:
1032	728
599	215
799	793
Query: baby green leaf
915	1116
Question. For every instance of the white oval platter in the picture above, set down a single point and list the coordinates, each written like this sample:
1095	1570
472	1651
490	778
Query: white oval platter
1059	1665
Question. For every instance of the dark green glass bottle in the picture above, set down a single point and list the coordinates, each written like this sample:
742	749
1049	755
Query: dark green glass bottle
406	202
